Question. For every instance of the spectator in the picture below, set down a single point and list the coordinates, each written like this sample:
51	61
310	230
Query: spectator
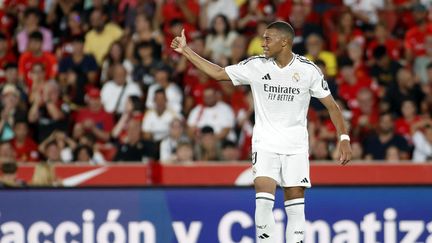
93	119
83	153
133	110
315	50
58	13
365	115
345	32
404	124
116	55
11	78
33	55
421	63
168	145
384	69
320	151
208	146
57	147
9	177
7	153
146	64
376	145
366	11
133	148
32	21
255	45
48	112
211	9
6	56
251	13
25	147
230	152
99	40
173	93
74	29
144	33
422	140
213	113
156	121
83	66
219	40
302	28
187	11
415	36
89	140
114	93
44	175
383	37
355	52
406	88
10	111
392	154
184	153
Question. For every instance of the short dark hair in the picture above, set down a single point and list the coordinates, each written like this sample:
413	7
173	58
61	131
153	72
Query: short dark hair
9	167
36	35
160	91
283	27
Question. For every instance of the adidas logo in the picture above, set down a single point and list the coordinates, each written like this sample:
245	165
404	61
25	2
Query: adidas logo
266	77
305	180
264	236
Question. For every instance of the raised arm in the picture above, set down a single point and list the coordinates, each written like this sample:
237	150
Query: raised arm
338	121
213	70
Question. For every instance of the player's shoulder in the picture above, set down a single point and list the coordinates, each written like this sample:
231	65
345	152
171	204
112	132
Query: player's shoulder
306	63
254	59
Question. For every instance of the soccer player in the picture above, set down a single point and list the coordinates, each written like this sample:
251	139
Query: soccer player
282	84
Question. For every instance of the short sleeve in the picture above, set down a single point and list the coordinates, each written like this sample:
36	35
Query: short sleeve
240	74
319	87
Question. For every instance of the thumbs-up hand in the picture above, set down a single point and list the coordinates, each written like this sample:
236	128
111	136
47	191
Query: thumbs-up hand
179	43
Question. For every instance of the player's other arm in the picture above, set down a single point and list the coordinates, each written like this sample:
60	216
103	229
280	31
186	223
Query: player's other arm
338	121
215	71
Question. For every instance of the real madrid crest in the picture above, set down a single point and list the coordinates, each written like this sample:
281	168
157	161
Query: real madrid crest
296	77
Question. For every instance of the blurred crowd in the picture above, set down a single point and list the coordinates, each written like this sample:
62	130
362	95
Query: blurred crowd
96	81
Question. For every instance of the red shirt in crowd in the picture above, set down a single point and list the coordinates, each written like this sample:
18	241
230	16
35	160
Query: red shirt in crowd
26	152
27	59
415	39
393	47
102	119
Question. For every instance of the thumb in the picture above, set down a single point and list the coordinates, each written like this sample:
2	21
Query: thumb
183	33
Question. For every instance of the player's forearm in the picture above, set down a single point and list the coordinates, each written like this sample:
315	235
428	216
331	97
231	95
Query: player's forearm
337	119
209	68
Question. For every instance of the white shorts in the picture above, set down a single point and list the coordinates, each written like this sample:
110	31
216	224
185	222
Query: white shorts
288	170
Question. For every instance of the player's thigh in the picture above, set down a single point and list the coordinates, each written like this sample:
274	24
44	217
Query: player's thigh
295	170
266	168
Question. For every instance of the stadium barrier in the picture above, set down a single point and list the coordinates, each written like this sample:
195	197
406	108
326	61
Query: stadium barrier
230	174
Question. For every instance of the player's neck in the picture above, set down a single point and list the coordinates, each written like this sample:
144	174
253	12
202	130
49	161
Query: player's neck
284	58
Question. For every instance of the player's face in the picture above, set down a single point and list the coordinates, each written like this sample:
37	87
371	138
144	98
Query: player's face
272	42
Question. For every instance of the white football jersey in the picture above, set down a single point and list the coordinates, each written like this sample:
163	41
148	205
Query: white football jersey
281	100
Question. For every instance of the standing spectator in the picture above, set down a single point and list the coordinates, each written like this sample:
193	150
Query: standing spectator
114	93
32	21
35	54
156	121
93	119
25	147
6	56
169	145
133	148
219	40
173	93
98	40
376	145
405	88
422	140
48	112
213	113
